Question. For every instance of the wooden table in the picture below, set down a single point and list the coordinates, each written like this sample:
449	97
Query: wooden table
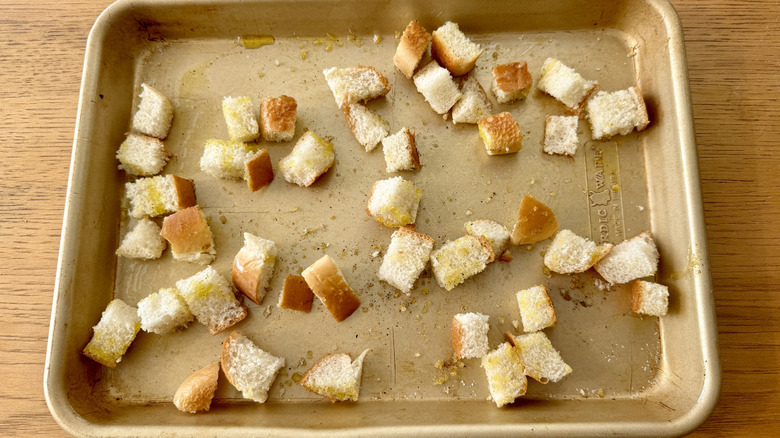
734	60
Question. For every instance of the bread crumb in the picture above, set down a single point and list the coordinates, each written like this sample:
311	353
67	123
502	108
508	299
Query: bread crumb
302	55
377	39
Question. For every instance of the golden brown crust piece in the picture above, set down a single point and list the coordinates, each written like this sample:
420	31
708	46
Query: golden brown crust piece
636	296
244	278
277	118
197	391
411	48
296	295
259	171
488	247
411	146
501	134
512	77
184	191
187	231
456	333
326	281
643	106
535	222
224	356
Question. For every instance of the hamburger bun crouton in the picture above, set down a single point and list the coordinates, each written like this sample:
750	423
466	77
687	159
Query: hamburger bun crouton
560	135
405	258
197	391
164	312
190	237
617	113
454	50
536	309
296	295
335	377
631	259
247	367
225	159
394	202
113	334
210	298
411	48
649	298
563	83
469	333
511	81
356	84
437	86
501	134
543	362
253	267
258	171
473	104
570	253
142	155
240	118
311	157
460	259
154	114
277	118
496	234
535	222
505	374
366	126
400	151
159	195
327	282
142	242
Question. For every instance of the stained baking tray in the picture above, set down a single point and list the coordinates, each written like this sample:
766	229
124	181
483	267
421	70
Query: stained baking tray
632	375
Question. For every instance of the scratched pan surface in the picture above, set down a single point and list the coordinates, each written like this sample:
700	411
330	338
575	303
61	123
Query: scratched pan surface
632	375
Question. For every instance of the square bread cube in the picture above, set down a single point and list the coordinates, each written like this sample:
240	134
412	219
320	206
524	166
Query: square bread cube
311	157
329	285
631	259
437	86
617	113
113	334
394	202
142	242
400	151
154	114
356	84
240	118
211	299
570	253
366	126
411	48
253	266
560	135
453	49
405	258
164	312
258	171
225	159
495	233
535	222
159	195
563	83
511	81
536	309
649	298
296	295
277	118
543	362
505	374
460	259
469	333
142	155
501	134
248	367
190	237
473	104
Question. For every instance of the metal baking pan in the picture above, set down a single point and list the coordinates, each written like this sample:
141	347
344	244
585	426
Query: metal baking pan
632	376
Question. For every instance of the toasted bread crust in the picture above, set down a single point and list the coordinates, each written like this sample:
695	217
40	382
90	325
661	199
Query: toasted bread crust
224	357
645	119
197	391
245	278
501	134
185	192
259	171
327	283
187	231
488	247
411	146
636	296
456	333
411	48
277	118
296	295
512	77
535	222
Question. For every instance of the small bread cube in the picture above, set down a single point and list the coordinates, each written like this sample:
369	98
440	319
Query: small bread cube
113	334
505	374
542	361
570	253
335	377
258	170
411	48
311	157
631	259
473	104
495	233
142	155
197	391
366	126
616	113
158	195
437	86
535	222
394	202
469	333
511	81
565	84
454	50
240	118
501	134
327	282
400	151
190	237
142	242
248	367
164	312
560	135
405	259
356	84
536	309
296	295
154	114
211	299
277	118
460	259
225	159
253	266
649	298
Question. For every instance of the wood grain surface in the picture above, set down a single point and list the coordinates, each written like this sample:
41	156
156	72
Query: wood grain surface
734	65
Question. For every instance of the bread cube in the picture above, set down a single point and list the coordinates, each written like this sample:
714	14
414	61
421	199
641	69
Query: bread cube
631	259
164	312
460	259
535	222
560	135
617	113
277	118
505	374
296	295
536	309
159	195
563	83
496	234
225	159
394	202
570	253
411	48
543	362
248	367
327	282
258	171
473	104
454	50
437	86
366	126
405	258
501	134
154	114
253	266
335	377
211	299
311	157
356	84
190	237
400	151
142	155
113	334
240	118
511	81
469	333
197	391
142	242
649	298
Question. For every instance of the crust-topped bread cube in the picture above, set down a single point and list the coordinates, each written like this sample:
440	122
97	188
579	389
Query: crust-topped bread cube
197	391
542	361
366	126
535	222
142	242
411	48
158	195
211	299
505	373
405	258
560	135
296	295
501	134
469	333
536	309
225	159
454	50
570	253
253	266
258	170
400	151
311	157
356	84
649	298
563	83
511	81
113	334
240	118
154	114
190	237
142	155
327	282
616	113
248	367
437	86
164	312
473	104
394	202
277	118
335	377
495	233
460	259
631	259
